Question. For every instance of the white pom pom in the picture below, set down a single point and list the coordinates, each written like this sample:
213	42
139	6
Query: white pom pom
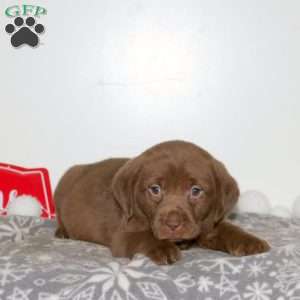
24	205
281	211
254	202
296	208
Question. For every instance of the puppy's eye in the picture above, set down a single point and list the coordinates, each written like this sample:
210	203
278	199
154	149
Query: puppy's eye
155	189
196	191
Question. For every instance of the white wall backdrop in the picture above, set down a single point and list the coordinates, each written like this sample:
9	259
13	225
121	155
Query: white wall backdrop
113	77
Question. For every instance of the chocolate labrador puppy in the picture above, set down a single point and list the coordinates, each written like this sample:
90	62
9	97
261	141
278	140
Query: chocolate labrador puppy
171	196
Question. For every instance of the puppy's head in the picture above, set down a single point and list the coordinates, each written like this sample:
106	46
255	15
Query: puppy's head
176	189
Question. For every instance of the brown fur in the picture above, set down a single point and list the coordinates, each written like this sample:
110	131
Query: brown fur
111	203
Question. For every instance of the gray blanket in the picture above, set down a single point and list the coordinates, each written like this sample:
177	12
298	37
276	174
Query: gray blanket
35	265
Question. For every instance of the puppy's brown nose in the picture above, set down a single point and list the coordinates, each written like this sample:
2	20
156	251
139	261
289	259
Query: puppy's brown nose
173	220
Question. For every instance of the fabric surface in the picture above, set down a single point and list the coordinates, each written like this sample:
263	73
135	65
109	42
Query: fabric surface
35	265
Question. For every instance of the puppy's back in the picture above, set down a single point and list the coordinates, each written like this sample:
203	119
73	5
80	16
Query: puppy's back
84	201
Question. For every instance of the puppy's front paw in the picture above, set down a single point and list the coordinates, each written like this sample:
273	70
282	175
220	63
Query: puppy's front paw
248	245
164	253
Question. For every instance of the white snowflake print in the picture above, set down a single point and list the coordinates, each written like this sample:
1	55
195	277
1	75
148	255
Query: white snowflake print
117	274
290	249
42	258
12	272
204	284
14	232
221	265
227	285
152	290
47	296
258	291
184	281
255	269
19	294
288	276
74	270
114	275
115	296
86	294
67	278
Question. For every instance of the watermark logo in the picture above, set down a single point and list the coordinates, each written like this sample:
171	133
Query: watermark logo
24	29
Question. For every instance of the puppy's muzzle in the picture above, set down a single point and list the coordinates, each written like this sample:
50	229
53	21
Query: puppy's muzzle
173	221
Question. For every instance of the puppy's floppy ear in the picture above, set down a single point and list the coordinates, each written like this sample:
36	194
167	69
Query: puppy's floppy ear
227	191
124	186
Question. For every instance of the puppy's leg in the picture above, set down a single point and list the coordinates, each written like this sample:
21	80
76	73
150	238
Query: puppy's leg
232	239
127	244
60	231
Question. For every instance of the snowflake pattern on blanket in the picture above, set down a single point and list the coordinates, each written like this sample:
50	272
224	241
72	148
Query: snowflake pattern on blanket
35	265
